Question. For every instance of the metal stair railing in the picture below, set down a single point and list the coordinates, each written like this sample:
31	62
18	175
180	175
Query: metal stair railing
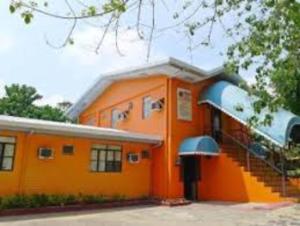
243	142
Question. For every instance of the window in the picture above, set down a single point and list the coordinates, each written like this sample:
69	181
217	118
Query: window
147	102
68	150
114	117
7	153
106	158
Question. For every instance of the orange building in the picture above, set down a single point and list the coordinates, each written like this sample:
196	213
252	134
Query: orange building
165	130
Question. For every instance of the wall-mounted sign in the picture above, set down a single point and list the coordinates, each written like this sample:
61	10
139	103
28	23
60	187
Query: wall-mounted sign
184	104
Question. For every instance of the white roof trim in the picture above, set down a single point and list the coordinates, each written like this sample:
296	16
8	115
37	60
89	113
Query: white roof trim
198	153
170	67
67	129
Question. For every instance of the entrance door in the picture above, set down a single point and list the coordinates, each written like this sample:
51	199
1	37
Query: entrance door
191	172
216	124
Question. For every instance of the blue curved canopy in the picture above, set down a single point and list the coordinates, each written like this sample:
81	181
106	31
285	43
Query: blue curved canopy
237	103
203	145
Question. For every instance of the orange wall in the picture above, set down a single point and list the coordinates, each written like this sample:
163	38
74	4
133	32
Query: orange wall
180	129
224	180
165	180
118	96
70	173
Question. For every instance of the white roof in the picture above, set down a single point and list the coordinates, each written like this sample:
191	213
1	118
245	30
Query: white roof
67	129
170	67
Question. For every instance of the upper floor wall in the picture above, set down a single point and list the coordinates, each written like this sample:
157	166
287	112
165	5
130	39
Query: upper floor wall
130	95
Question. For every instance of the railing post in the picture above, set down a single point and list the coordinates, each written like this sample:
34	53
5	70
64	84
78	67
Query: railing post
248	160
283	179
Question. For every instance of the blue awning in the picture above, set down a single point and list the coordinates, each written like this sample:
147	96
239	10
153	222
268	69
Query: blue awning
203	145
227	97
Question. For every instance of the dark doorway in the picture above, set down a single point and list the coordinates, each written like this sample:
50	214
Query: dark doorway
191	176
216	124
295	134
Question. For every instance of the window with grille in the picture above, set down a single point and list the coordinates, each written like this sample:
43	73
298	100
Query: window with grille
106	158
7	153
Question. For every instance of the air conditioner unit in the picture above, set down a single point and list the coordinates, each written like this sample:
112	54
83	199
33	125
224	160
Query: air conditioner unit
133	158
45	153
158	105
123	115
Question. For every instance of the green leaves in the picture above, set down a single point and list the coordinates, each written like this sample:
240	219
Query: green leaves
19	100
12	8
271	51
71	41
27	17
92	11
115	6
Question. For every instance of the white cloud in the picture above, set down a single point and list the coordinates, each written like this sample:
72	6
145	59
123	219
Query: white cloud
51	100
6	43
133	49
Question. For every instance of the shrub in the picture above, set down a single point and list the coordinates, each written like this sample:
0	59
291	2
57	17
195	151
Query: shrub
42	200
90	199
61	200
15	201
118	197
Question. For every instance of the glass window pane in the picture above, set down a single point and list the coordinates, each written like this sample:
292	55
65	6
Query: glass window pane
118	166
7	139
7	163
110	167
114	147
9	150
102	155
147	107
94	154
93	166
110	155
118	156
102	166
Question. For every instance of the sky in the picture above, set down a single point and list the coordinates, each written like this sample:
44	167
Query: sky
64	74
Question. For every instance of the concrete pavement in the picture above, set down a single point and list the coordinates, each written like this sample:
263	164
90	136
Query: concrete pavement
204	213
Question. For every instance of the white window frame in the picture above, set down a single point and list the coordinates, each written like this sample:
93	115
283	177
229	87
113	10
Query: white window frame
147	105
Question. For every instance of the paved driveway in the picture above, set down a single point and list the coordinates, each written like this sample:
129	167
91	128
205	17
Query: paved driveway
199	214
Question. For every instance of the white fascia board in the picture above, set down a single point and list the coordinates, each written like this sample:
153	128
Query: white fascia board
188	67
67	129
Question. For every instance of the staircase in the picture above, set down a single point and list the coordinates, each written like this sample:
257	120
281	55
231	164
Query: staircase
264	173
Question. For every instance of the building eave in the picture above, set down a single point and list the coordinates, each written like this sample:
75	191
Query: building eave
170	67
67	129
